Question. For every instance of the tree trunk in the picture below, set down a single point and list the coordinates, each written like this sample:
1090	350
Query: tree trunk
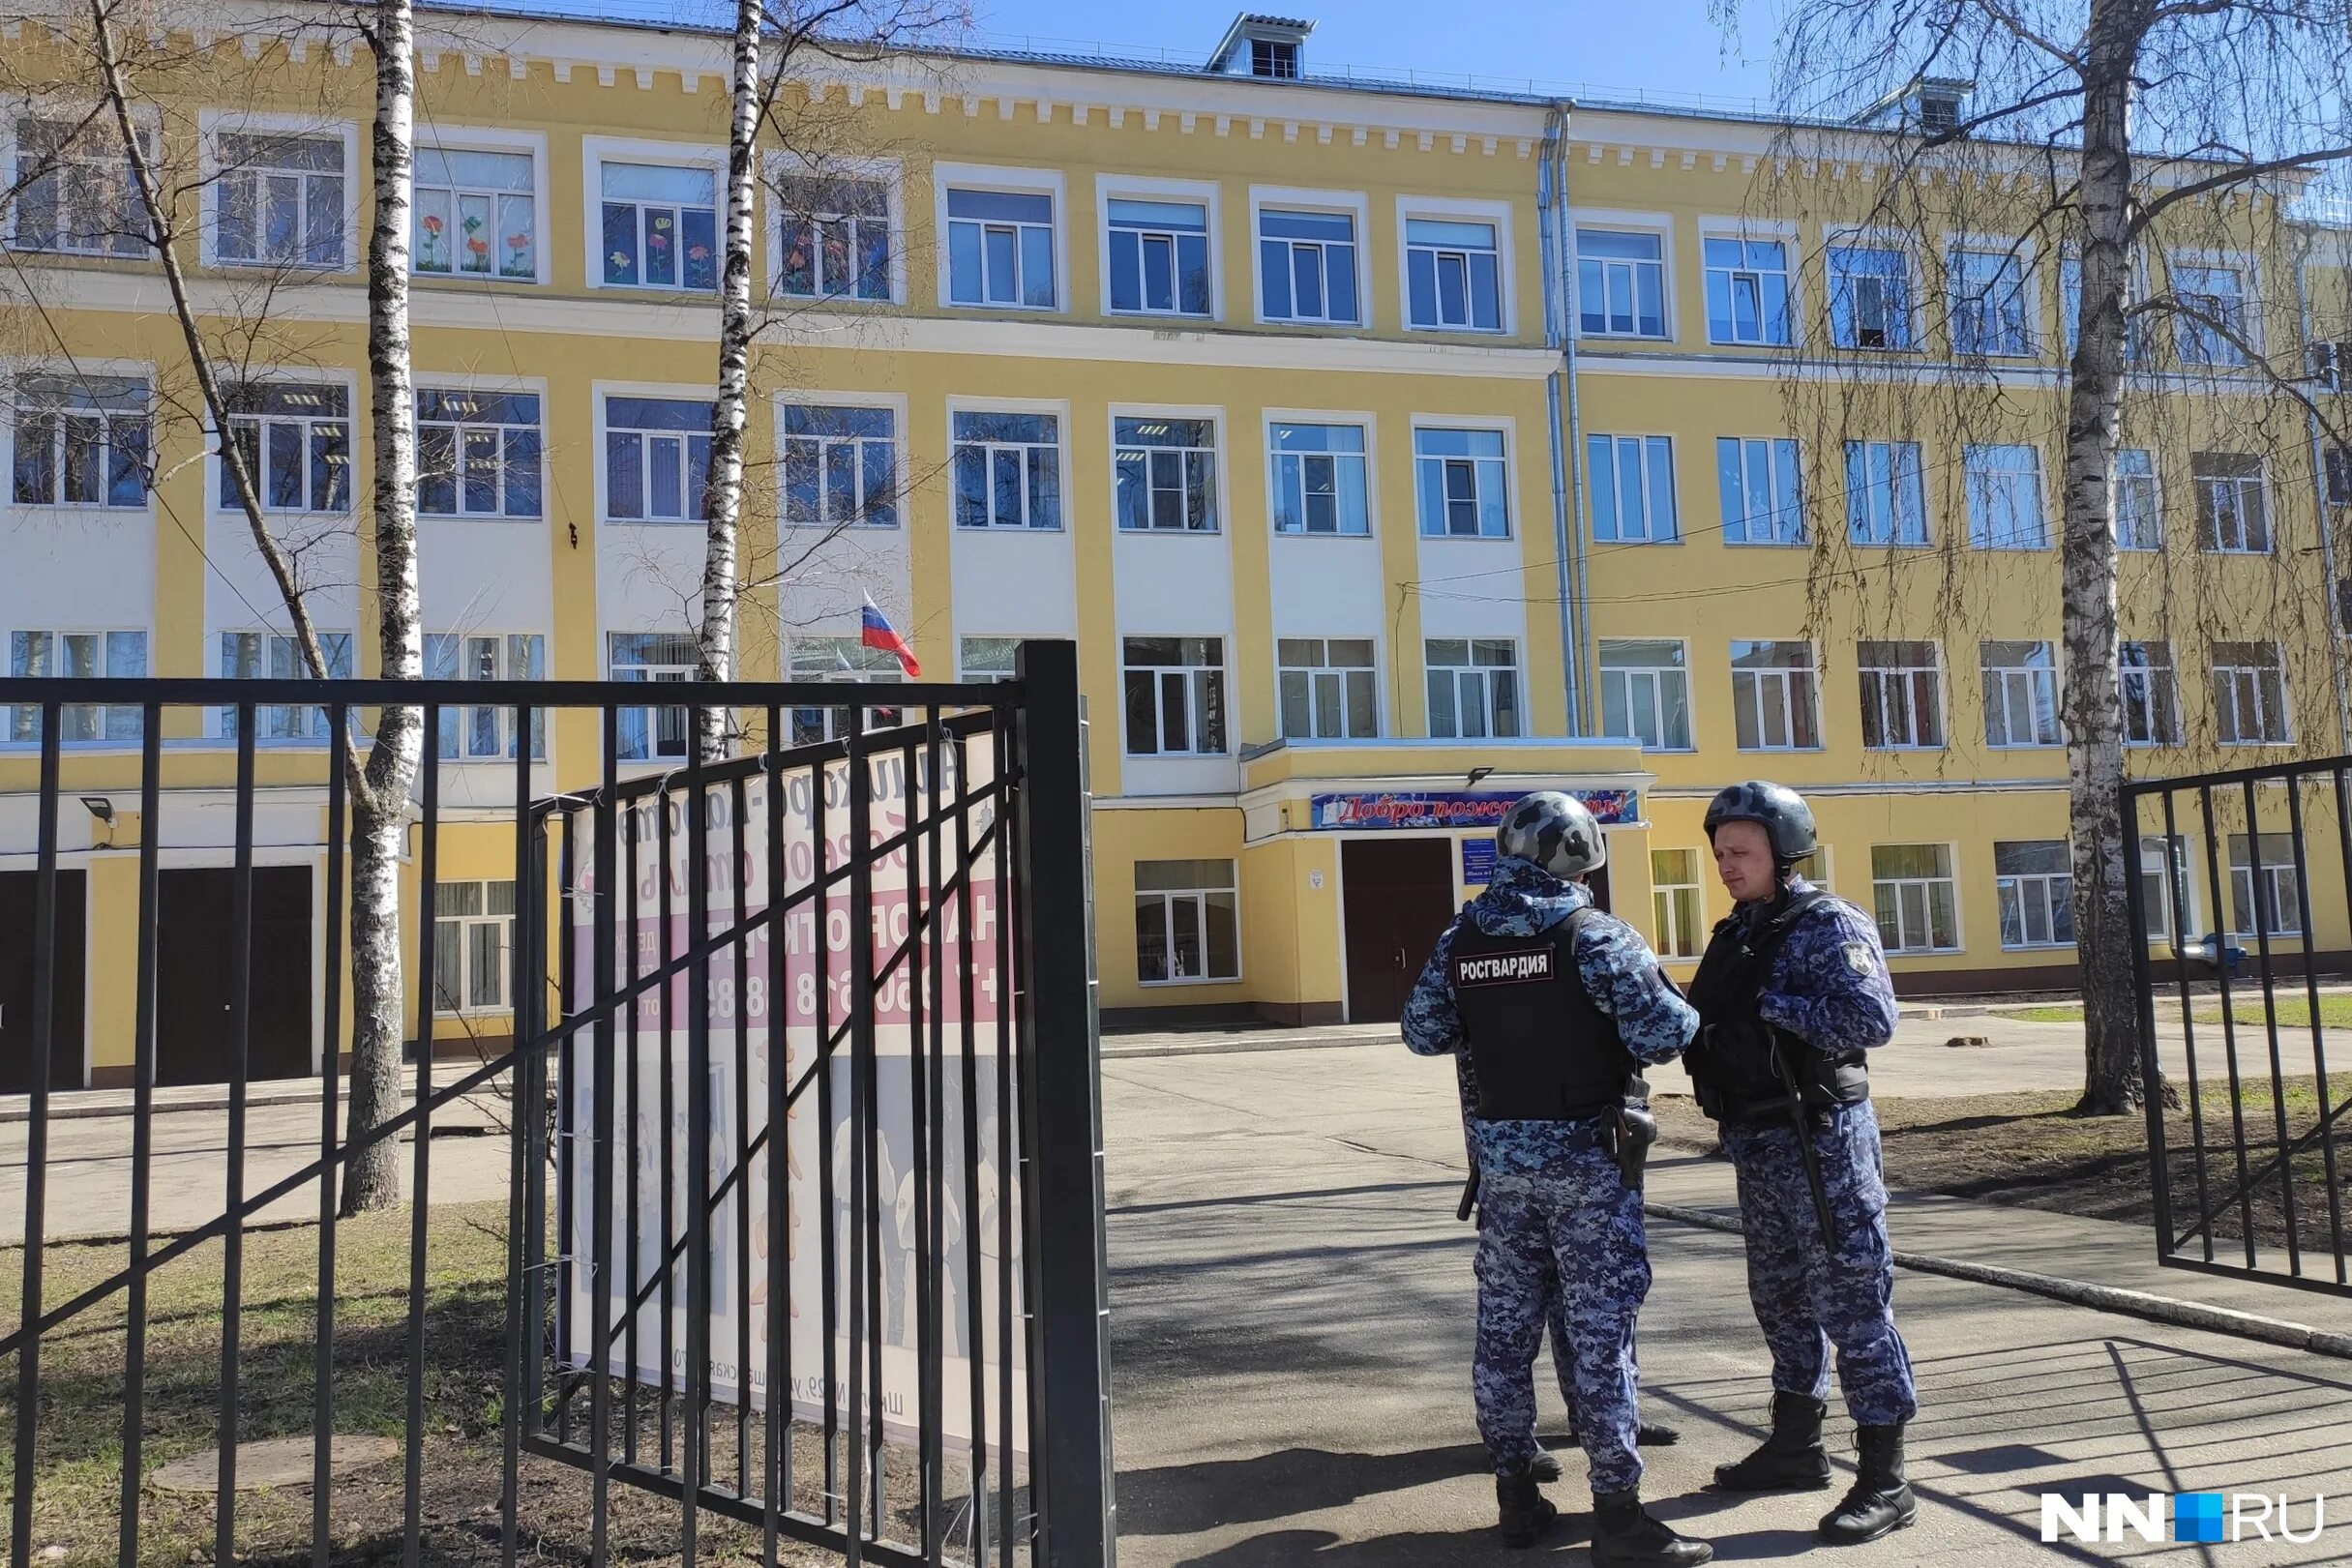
372	1180
723	496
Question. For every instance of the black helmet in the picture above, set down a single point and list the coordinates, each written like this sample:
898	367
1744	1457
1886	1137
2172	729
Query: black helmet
1786	819
1552	831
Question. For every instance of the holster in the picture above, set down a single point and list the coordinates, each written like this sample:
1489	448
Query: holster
1627	1131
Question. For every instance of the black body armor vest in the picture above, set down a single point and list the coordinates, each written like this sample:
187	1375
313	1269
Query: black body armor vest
1744	1068
1541	1050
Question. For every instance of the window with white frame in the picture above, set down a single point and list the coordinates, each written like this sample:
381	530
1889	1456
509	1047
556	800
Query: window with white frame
660	225
1187	921
1917	903
2070	312
845	660
485	732
1306	267
2212	316
2033	884
1680	925
280	199
1474	687
2266	860
295	437
1756	479
2150	694
2250	695
2139	514
1747	290
1453	279
1902	686
473	937
478	454
77	656
2166	884
2004	486
74	191
1463	482
1869	296
1645	691
1175	690
2020	692
1886	497
475	213
1001	248
833	238
1165	474
840	466
1621	282
81	441
1008	470
2336	473
1813	868
987	659
1159	256
2233	513
1991	311
1327	688
657	459
1631	480
665	658
250	656
1320	483
1776	695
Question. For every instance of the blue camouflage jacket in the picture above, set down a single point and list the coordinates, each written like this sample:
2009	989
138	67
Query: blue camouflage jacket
1828	986
1620	974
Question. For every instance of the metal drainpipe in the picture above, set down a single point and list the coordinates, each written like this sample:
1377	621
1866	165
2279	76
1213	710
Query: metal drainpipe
1560	387
2327	531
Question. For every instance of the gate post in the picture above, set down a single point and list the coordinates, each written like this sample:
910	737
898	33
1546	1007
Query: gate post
1066	1272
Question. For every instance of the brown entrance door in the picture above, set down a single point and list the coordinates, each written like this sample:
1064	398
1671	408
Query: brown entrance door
192	953
18	889
1400	894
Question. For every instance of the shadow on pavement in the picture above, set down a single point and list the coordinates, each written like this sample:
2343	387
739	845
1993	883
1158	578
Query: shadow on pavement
1184	1500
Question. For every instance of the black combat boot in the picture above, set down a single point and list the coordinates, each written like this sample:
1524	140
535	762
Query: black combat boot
1791	1460
1527	1513
1546	1465
1656	1435
1881	1500
1628	1535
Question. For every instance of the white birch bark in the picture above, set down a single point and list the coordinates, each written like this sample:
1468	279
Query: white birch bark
724	490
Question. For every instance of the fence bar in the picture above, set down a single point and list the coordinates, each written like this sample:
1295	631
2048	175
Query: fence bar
240	1014
915	797
1010	1000
861	1119
778	1452
330	1093
420	1216
2152	1077
697	1435
601	1274
36	1136
527	1115
2319	1048
2176	883
2229	1027
669	1107
631	1105
975	1332
828	1232
142	1136
930	1155
737	879
2258	894
567	1173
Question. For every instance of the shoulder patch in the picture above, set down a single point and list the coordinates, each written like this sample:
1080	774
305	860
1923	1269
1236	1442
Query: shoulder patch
1523	967
1858	958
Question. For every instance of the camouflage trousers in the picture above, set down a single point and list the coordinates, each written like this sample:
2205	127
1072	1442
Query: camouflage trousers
1808	1299
1572	1233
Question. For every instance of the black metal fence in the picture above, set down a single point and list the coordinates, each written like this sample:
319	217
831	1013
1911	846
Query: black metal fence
803	1221
2242	889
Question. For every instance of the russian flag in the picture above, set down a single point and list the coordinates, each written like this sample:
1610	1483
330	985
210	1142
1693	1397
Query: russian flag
879	634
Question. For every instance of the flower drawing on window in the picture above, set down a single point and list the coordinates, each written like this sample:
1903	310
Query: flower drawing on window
517	256
432	258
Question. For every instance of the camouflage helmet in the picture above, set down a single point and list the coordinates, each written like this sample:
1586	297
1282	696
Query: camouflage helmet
1552	831
1786	819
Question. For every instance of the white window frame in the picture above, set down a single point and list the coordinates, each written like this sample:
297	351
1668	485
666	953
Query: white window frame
347	380
519	388
2282	900
1981	482
2043	890
838	658
1892	689
2009	251
13	373
1482	677
1342	676
2163	683
652	712
1059	412
2227	677
213	124
601	392
2154	479
2136	287
1200	896
2249	306
471	139
1780	676
1997	698
307	721
595	152
464	923
1206	193
1009	180
117	724
1447	209
1365	422
1657	677
1646	447
502	715
1756	232
1219	502
891	402
887	172
1290	199
1506	428
1949	882
971	673
2258	482
1791	505
1866	239
1915	473
2156	914
1657	224
1191	690
68	112
1672	939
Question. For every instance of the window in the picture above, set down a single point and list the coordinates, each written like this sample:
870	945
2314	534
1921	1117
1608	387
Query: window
1176	695
1306	266
279	201
2232	516
478	454
296	440
81	441
1008	470
840	468
2212	317
848	661
2004	484
2034	881
2151	693
1869	297
1319	480
77	656
1187	921
2336	461
1776	697
248	655
2139	515
1814	867
1159	258
76	194
1273	58
1989	314
2250	695
1001	248
2278	912
660	226
657	459
833	238
2160	893
1328	689
1632	478
1748	291
1680	925
473	932
643	734
2021	693
485	732
987	659
1620	283
1757	481
1166	474
1473	688
1645	691
474	213
1462	483
1902	695
2070	312
1452	276
1917	903
1886	501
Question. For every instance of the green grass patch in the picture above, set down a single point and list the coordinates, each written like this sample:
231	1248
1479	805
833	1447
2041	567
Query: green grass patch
2294	1010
